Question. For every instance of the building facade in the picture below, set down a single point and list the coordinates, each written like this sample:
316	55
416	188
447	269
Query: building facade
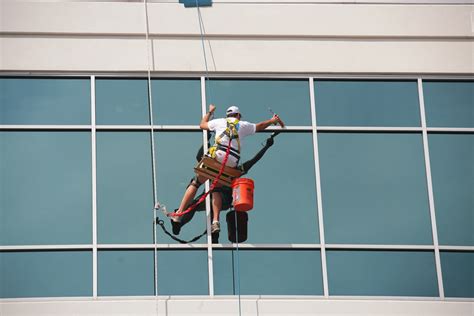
363	205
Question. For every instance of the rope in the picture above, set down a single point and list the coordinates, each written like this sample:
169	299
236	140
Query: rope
238	259
153	159
162	225
213	185
202	32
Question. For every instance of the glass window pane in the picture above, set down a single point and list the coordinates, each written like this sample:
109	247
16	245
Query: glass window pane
177	101
183	272
449	104
288	98
45	273
125	272
175	159
458	273
122	101
367	103
268	272
374	188
124	188
125	101
452	170
45	101
382	273
45	186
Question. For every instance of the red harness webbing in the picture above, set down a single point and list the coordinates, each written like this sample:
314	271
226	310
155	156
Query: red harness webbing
213	185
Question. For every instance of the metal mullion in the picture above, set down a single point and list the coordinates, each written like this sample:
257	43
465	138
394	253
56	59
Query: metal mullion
457	248
149	127
210	258
46	127
379	247
94	188
268	246
46	247
318	188
368	129
451	129
151	246
429	183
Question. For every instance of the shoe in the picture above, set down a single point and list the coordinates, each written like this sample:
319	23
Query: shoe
176	219
215	227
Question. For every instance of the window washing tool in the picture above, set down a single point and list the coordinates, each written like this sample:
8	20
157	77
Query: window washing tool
280	122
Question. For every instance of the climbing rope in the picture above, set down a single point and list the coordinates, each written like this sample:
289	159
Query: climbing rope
152	137
213	185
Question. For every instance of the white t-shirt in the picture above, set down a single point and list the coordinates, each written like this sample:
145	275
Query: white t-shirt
219	126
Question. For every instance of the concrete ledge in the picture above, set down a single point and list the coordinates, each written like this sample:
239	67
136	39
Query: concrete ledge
229	305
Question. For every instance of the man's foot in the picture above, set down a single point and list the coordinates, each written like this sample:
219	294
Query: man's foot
176	219
215	227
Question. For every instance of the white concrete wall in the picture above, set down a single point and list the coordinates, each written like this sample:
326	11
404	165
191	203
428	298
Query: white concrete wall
303	38
230	306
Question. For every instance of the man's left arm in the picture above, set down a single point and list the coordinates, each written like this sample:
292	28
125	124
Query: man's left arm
205	119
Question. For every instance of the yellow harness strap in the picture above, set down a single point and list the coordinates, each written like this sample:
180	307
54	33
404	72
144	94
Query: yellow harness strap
230	130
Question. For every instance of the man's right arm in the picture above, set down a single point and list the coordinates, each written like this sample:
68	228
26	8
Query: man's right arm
264	124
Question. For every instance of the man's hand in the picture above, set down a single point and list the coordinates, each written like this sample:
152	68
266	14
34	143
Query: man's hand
212	108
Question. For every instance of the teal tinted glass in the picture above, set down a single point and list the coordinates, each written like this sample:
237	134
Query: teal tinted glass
452	171
268	272
125	272
121	101
183	272
288	98
124	187
367	103
177	101
458	273
175	161
381	273
449	104
45	188
374	188
45	101
285	208
45	274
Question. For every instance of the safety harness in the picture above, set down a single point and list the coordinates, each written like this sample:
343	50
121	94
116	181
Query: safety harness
232	132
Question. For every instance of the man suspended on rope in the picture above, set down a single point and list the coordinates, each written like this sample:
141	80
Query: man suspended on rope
229	128
226	192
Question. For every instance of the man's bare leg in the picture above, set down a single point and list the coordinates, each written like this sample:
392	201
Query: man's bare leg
188	196
216	209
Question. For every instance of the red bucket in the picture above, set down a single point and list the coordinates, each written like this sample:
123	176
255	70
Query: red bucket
242	194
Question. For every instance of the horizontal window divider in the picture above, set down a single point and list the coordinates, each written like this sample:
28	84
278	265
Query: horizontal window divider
289	129
150	246
451	129
368	129
232	246
230	75
148	127
379	247
46	247
46	127
267	246
457	248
